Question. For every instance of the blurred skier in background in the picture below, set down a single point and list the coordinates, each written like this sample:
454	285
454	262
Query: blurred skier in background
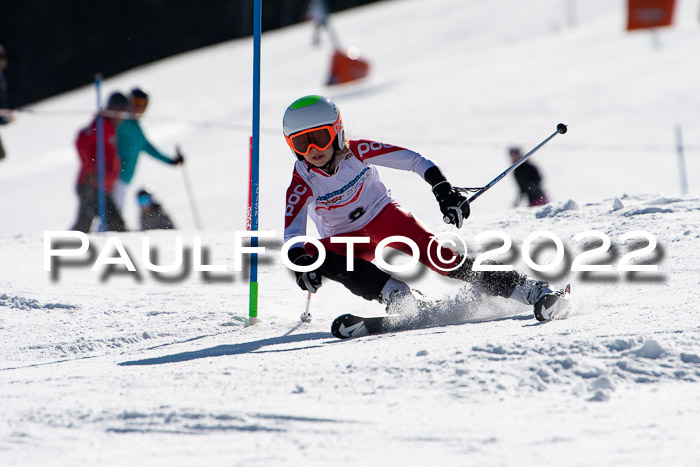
529	180
131	141
153	216
346	65
87	178
5	114
318	13
336	183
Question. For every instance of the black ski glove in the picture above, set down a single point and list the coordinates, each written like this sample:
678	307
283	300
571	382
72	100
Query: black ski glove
453	204
310	280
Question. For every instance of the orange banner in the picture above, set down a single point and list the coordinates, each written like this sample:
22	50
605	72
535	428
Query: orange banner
644	14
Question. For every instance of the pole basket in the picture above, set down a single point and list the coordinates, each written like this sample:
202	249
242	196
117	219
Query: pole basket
347	67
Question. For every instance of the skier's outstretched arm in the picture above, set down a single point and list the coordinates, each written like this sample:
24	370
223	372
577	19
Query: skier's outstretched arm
453	204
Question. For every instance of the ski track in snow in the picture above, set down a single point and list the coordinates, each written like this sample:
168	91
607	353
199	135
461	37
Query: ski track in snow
476	352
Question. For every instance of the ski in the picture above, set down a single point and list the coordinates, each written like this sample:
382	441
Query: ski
554	307
430	314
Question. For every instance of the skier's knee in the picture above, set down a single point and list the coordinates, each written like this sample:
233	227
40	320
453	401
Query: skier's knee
365	280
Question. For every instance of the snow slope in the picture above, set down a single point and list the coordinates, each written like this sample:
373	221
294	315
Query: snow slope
118	368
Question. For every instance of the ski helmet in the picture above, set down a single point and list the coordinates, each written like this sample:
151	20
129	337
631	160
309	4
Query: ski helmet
309	113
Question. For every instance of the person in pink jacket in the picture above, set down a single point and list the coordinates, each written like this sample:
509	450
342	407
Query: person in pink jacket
87	188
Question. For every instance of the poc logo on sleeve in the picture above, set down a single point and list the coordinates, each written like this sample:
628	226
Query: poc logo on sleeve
364	148
294	199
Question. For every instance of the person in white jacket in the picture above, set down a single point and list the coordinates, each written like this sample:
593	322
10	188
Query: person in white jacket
336	184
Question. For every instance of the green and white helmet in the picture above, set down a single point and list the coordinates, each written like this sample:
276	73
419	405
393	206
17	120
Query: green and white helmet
312	121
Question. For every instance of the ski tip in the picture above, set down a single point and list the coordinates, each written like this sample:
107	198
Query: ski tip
563	309
339	327
554	306
567	290
349	325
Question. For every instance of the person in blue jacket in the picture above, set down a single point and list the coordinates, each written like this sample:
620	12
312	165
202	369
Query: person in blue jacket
131	141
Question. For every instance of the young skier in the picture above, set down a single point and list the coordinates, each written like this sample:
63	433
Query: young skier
336	184
152	214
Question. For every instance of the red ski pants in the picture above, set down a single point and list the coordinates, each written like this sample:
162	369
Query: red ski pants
394	220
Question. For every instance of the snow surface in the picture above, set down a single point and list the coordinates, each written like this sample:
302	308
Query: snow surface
118	368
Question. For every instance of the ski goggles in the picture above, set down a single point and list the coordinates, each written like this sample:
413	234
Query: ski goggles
319	137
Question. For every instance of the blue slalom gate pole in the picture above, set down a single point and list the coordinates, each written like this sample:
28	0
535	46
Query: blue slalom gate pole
101	198
255	162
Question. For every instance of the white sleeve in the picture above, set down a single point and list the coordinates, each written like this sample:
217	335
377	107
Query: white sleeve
396	157
403	159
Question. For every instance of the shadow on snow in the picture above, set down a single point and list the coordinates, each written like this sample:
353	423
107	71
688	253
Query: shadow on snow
234	349
255	346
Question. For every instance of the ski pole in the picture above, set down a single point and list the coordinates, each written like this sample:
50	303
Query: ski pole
306	315
561	129
193	204
304	318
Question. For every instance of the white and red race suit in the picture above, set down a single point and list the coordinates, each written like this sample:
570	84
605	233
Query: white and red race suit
353	202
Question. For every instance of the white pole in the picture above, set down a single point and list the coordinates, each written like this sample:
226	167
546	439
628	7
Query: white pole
190	196
681	161
571	12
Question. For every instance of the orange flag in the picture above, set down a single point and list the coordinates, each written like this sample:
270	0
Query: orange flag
642	14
